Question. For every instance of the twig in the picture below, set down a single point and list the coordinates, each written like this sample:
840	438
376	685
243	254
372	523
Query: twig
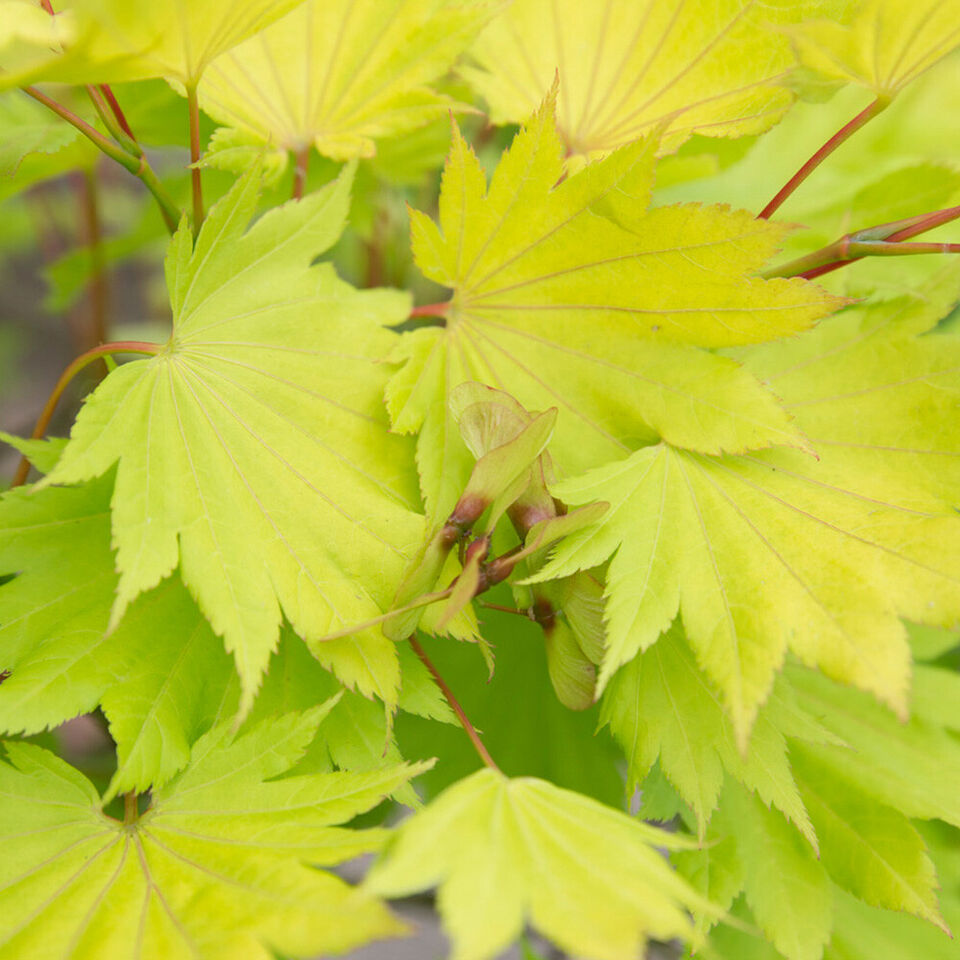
840	137
454	705
84	360
138	166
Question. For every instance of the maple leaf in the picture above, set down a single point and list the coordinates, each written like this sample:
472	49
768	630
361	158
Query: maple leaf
160	677
252	447
338	75
215	868
578	296
661	708
109	40
34	129
625	68
503	849
886	45
777	550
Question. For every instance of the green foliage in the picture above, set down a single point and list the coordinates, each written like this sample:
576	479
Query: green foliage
673	525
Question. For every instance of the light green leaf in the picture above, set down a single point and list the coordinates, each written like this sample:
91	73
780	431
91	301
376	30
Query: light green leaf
884	47
661	707
339	75
505	850
27	127
216	868
253	449
913	767
170	680
109	40
42	454
776	550
54	613
786	886
627	68
867	848
561	293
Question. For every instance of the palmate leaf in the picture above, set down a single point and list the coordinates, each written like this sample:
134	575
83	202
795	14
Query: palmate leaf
627	67
779	550
252	448
216	868
580	297
340	75
661	708
886	45
109	40
25	128
161	677
503	850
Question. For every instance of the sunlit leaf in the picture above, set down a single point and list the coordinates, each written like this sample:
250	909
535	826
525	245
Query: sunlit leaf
252	447
339	75
216	868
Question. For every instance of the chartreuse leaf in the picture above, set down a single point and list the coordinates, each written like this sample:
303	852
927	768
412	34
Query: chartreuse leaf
102	40
579	297
913	767
787	888
161	676
626	68
216	868
868	848
340	75
505	850
661	707
26	127
253	448
883	47
778	550
43	454
54	612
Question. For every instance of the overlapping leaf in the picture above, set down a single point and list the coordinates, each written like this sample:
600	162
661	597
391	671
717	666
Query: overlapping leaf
886	45
661	708
578	296
25	128
108	40
252	448
504	850
340	75
779	550
216	868
628	67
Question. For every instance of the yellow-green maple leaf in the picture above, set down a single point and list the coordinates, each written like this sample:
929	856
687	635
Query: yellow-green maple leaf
777	550
577	295
109	40
253	447
337	75
221	866
886	45
627	66
502	850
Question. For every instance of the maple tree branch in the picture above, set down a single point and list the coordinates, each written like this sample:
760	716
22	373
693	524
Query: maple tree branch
111	122
117	110
300	172
454	705
840	137
131	812
84	360
138	166
504	609
193	107
431	310
848	249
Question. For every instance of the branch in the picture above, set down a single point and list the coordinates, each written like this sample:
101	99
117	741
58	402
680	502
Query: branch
841	136
138	166
84	360
454	706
